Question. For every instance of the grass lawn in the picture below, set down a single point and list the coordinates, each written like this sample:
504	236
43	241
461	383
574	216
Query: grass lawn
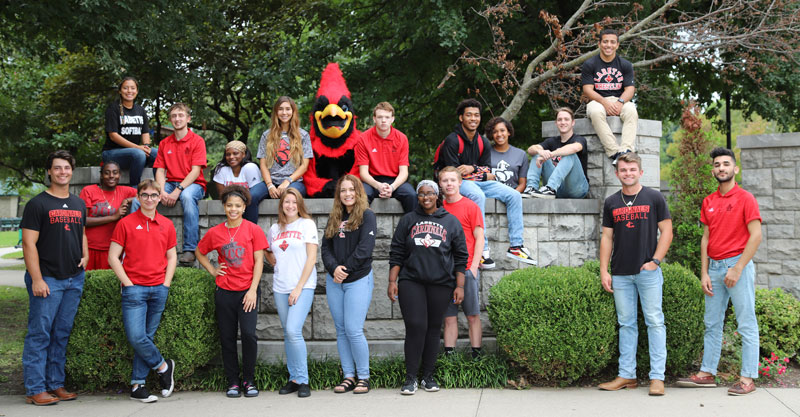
13	255
20	267
9	238
13	326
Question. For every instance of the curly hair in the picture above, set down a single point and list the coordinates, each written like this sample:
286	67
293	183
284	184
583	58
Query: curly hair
337	211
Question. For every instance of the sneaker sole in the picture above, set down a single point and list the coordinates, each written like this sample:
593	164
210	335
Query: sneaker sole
150	399
517	258
430	389
491	266
526	195
407	392
740	394
544	196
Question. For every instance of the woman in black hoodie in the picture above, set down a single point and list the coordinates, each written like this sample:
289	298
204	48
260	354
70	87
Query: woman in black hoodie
427	263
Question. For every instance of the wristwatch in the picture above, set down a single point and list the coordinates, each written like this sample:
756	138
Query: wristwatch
621	100
656	261
180	187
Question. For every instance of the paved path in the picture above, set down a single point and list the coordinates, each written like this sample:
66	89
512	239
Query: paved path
9	277
773	402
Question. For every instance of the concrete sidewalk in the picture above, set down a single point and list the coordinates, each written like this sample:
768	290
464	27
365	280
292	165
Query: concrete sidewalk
11	278
773	402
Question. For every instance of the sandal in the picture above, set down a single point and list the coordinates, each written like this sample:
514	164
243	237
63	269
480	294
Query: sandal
348	384
362	387
234	391
250	390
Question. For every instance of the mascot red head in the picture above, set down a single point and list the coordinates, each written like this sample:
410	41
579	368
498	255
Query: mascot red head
333	135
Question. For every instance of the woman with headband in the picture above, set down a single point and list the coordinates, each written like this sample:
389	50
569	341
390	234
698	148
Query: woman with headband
240	255
236	168
427	262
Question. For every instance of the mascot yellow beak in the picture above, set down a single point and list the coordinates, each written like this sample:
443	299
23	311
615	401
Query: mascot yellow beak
332	121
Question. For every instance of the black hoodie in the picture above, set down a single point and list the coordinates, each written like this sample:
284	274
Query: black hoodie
351	248
429	248
449	156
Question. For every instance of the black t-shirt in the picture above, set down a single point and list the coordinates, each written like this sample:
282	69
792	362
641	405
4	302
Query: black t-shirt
130	126
635	228
60	223
608	78
551	144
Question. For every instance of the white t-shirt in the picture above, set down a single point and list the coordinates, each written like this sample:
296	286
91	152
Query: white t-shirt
249	176
289	248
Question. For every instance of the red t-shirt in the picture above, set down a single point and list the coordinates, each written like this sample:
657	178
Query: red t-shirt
235	248
145	244
469	215
101	203
178	156
727	217
383	156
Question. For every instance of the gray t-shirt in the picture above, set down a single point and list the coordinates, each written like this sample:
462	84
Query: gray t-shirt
510	166
282	168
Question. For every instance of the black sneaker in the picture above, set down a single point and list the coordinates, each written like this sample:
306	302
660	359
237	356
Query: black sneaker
429	384
614	158
528	192
143	395
289	388
409	387
545	192
487	263
167	379
303	391
250	390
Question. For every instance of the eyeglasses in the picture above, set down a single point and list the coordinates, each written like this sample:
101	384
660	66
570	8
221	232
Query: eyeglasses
145	196
428	194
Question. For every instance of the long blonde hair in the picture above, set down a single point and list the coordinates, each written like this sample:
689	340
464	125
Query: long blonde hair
337	211
274	136
301	207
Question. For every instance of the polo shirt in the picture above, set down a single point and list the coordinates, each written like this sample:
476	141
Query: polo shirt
178	156
727	217
145	244
383	156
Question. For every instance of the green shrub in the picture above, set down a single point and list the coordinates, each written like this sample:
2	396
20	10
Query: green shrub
557	323
778	315
98	354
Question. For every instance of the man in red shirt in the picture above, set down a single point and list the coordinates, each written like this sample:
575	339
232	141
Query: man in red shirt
731	235
469	215
148	241
382	159
179	172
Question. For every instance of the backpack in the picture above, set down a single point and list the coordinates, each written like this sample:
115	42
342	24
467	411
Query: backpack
437	165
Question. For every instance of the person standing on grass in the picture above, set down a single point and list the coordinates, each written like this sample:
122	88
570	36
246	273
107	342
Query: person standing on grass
240	248
632	220
55	251
731	235
106	203
469	215
347	254
293	242
427	261
147	241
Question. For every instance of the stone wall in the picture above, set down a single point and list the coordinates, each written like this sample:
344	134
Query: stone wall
770	170
558	232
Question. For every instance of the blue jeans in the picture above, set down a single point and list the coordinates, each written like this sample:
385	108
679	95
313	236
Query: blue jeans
349	303
566	178
648	286
257	193
743	296
50	322
141	314
297	185
133	159
478	191
191	215
292	320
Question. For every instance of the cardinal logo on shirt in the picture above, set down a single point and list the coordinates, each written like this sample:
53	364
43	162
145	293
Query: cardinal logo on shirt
428	241
341	228
282	156
729	208
66	227
283	245
630	225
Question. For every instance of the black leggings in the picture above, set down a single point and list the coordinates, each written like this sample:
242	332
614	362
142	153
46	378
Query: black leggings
423	307
230	315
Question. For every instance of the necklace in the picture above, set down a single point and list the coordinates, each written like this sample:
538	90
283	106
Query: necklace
629	203
228	228
110	205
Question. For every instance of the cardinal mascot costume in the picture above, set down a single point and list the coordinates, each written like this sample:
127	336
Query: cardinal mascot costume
333	135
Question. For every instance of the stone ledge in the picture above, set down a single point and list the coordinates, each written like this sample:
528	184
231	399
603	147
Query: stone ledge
584	127
769	140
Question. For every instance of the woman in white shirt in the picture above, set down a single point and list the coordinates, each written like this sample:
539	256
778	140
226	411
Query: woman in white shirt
293	242
236	168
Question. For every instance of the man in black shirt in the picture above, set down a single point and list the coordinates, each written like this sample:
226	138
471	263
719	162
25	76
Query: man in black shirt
55	251
607	81
560	162
632	219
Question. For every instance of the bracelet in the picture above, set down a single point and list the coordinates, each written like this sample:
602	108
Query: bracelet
392	282
270	186
460	286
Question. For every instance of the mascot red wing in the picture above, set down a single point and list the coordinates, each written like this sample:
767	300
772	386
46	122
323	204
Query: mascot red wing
333	135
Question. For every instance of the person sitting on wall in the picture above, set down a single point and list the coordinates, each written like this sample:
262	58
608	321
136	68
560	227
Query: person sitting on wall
607	81
560	162
509	163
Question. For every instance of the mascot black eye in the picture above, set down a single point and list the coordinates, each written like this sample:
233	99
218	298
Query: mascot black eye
345	107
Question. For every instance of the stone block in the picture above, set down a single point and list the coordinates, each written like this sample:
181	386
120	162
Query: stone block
648	145
784	177
787	199
651	171
789	283
543	234
594	159
578	253
780	231
563	253
385	227
762	254
531	237
751	158
789	267
321	319
783	249
595	176
762	279
591	227
384	329
548	253
777	217
267	304
566	227
268	327
382	249
498	221
758	181
765	202
769	140
536	220
396	312
774	267
791	153
788	164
